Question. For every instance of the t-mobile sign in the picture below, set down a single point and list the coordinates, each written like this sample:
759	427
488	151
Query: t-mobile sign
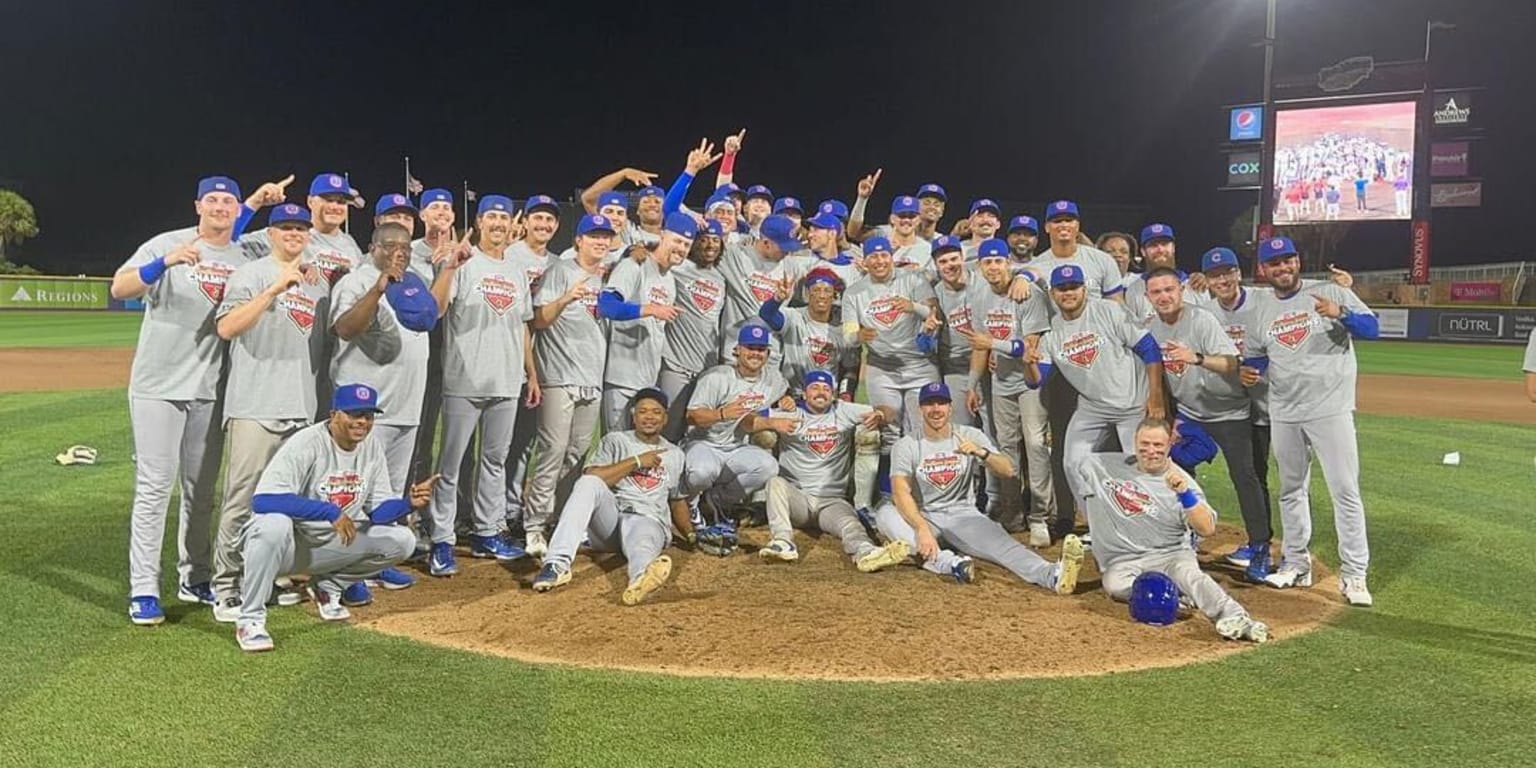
1448	159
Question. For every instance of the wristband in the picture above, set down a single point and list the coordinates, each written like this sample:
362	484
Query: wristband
985	454
152	271
728	165
1189	499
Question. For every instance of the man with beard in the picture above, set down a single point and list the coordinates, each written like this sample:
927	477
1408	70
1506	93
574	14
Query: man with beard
484	297
982	225
807	336
629	500
639	300
723	468
1302	343
693	338
908	251
1157	252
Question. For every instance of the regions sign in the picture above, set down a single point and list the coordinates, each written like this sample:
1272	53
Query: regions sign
53	293
1459	195
1449	159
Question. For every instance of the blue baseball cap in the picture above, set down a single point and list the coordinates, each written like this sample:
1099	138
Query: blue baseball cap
876	245
1066	274
413	303
500	203
288	213
681	224
715	227
731	189
1275	248
788	204
217	184
819	377
355	398
720	197
759	191
1061	208
753	335
437	195
393	202
906	204
1216	258
993	248
934	391
1024	222
780	230
835	207
945	244
611	198
1153	232
594	222
650	393
651	191
986	204
329	184
541	203
932	190
824	220
821	275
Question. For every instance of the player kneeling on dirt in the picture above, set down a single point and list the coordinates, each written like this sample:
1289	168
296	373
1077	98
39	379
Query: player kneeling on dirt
323	507
811	489
1140	508
627	501
933	499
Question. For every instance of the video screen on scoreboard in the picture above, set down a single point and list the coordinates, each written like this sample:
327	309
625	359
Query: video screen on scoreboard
1352	163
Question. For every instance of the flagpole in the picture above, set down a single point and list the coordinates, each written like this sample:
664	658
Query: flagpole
407	186
466	203
346	224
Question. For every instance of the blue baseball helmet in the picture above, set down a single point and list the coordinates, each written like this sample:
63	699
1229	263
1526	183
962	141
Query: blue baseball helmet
1154	599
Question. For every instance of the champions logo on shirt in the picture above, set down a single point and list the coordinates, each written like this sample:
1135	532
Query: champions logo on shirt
705	294
535	275
822	350
342	488
761	286
1172	366
1291	328
211	277
820	438
999	322
332	264
299	307
499	293
1131	499
590	300
885	310
649	478
1081	349
941	469
960	319
1235	333
660	294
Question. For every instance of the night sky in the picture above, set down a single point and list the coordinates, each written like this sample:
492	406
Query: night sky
112	110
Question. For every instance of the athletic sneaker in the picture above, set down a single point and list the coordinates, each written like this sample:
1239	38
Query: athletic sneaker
1258	565
144	610
196	593
782	550
893	553
650	580
536	545
1241	627
1289	576
551	576
494	546
392	578
227	611
964	570
357	594
442	563
1068	566
1355	591
1241	556
1039	535
329	603
285	593
252	636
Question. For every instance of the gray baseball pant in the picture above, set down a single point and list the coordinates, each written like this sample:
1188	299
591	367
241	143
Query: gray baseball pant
518	456
1089	427
495	416
1332	438
898	391
972	533
1184	569
1023	436
959	388
171	436
893	526
567	418
616	407
399	441
1235	438
678	385
592	512
251	446
790	508
729	474
277	545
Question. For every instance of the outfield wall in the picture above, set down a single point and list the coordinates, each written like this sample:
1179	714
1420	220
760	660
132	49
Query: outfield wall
40	292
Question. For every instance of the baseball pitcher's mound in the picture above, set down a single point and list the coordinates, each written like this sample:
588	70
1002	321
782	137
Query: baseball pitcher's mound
821	619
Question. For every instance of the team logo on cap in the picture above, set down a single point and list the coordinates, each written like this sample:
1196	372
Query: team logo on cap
1291	329
649	478
220	185
1081	349
1131	499
1068	273
499	292
941	469
1157	229
342	488
907	201
1061	206
299	307
705	294
211	277
397	199
827	208
1277	244
362	393
756	333
335	181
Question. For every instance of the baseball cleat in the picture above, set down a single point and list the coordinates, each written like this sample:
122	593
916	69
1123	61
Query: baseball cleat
1242	627
551	576
226	611
1070	563
252	636
1289	576
329	603
536	545
284	593
654	576
782	550
1241	556
201	592
1355	591
441	563
894	553
497	547
1258	565
357	594
144	610
963	571
392	578
1039	535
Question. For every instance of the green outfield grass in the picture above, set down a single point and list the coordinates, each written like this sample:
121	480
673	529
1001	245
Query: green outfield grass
69	329
1441	670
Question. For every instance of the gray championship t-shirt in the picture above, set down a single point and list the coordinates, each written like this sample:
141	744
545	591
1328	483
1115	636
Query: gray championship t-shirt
693	339
1201	393
571	352
1140	307
810	345
310	464
1235	322
421	260
1131	513
484	329
273	365
955	303
750	280
387	356
875	305
1311	358
642	491
721	386
815	457
534	265
1007	320
180	354
1101	275
941	479
335	254
1094	351
635	347
1530	354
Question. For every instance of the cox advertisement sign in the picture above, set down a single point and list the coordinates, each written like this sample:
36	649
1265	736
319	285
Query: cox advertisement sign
1244	170
1245	124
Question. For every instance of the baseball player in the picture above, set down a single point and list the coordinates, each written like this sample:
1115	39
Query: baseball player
639	300
436	243
541	220
693	338
955	290
824	250
1115	366
808	336
324	507
173	392
790	207
753	271
759	205
1157	251
600	198
908	251
1301	341
931	199
395	209
1140	508
723	468
484	299
1530	367
811	489
1023	237
570	349
934	500
980	226
628	500
270	313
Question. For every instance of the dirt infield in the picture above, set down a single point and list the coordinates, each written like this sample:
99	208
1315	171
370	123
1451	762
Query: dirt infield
28	369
